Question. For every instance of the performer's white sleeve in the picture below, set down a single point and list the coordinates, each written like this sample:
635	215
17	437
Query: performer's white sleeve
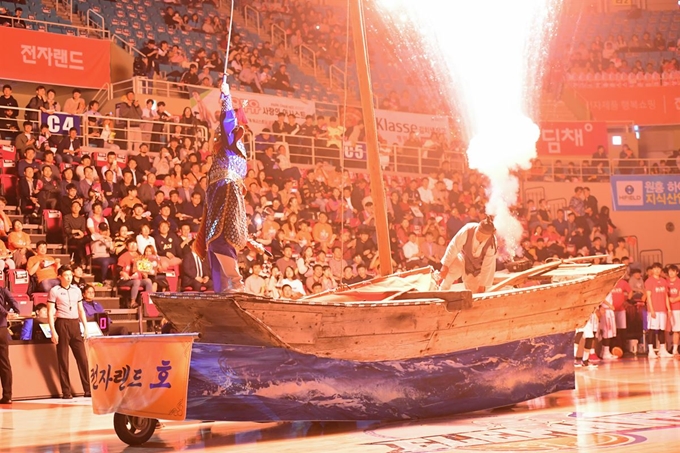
456	245
488	269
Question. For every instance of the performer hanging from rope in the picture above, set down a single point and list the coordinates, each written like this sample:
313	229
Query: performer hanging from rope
471	254
224	230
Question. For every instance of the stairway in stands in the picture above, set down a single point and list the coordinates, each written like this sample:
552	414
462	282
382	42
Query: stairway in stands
107	297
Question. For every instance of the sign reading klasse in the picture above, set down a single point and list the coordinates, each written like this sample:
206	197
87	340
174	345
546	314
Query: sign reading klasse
35	56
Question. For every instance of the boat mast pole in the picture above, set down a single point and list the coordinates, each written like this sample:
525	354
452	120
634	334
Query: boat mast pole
375	172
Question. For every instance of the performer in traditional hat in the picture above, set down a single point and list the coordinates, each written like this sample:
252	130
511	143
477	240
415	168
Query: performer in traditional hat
471	254
224	231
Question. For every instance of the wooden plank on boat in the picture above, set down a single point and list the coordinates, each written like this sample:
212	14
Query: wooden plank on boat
292	326
455	300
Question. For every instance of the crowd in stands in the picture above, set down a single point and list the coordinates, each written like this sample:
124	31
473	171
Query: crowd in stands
625	62
601	166
318	221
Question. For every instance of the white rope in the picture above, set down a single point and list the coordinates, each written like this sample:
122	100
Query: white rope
226	56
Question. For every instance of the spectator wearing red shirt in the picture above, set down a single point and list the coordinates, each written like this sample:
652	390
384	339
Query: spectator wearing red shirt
674	300
657	311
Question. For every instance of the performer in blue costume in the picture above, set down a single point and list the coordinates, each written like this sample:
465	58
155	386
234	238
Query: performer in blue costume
224	231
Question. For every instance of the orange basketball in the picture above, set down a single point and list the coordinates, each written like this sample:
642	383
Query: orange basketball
618	352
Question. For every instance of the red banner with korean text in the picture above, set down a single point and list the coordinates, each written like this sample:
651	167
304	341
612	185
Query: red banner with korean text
641	105
51	58
571	138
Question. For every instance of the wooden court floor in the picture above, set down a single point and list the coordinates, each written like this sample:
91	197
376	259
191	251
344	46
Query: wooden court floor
631	405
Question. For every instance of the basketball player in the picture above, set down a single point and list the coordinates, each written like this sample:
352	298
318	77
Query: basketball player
607	324
620	294
587	332
471	254
674	300
658	308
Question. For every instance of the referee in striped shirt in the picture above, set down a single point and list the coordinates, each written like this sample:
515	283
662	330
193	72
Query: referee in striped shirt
65	314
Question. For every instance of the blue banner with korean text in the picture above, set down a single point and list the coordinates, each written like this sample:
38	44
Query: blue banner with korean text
646	192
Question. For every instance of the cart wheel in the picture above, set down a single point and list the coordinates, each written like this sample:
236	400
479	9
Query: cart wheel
133	430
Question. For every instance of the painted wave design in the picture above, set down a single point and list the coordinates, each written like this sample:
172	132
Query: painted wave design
239	383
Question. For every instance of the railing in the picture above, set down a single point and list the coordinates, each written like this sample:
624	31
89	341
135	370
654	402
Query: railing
337	78
535	194
66	6
304	151
104	94
279	36
154	133
127	45
649	257
51	27
95	20
585	170
252	18
143	85
555	205
307	57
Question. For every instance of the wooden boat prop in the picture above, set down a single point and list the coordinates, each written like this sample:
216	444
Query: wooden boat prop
400	316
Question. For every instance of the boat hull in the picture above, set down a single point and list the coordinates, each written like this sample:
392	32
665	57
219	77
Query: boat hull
395	329
250	383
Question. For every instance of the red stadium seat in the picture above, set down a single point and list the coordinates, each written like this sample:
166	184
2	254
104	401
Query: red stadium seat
52	223
150	310
17	281
25	304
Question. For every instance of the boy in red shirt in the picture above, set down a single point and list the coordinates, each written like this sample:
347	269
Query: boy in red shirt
621	293
658	308
674	300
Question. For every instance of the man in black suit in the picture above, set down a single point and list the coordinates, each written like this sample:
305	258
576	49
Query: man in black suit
28	192
195	273
69	147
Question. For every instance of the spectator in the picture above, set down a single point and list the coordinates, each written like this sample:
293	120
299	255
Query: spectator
50	192
287	260
169	248
129	276
19	243
195	274
28	193
281	81
75	105
25	140
9	111
6	261
75	227
69	148
52	104
36	104
254	283
132	112
190	77
102	248
44	268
